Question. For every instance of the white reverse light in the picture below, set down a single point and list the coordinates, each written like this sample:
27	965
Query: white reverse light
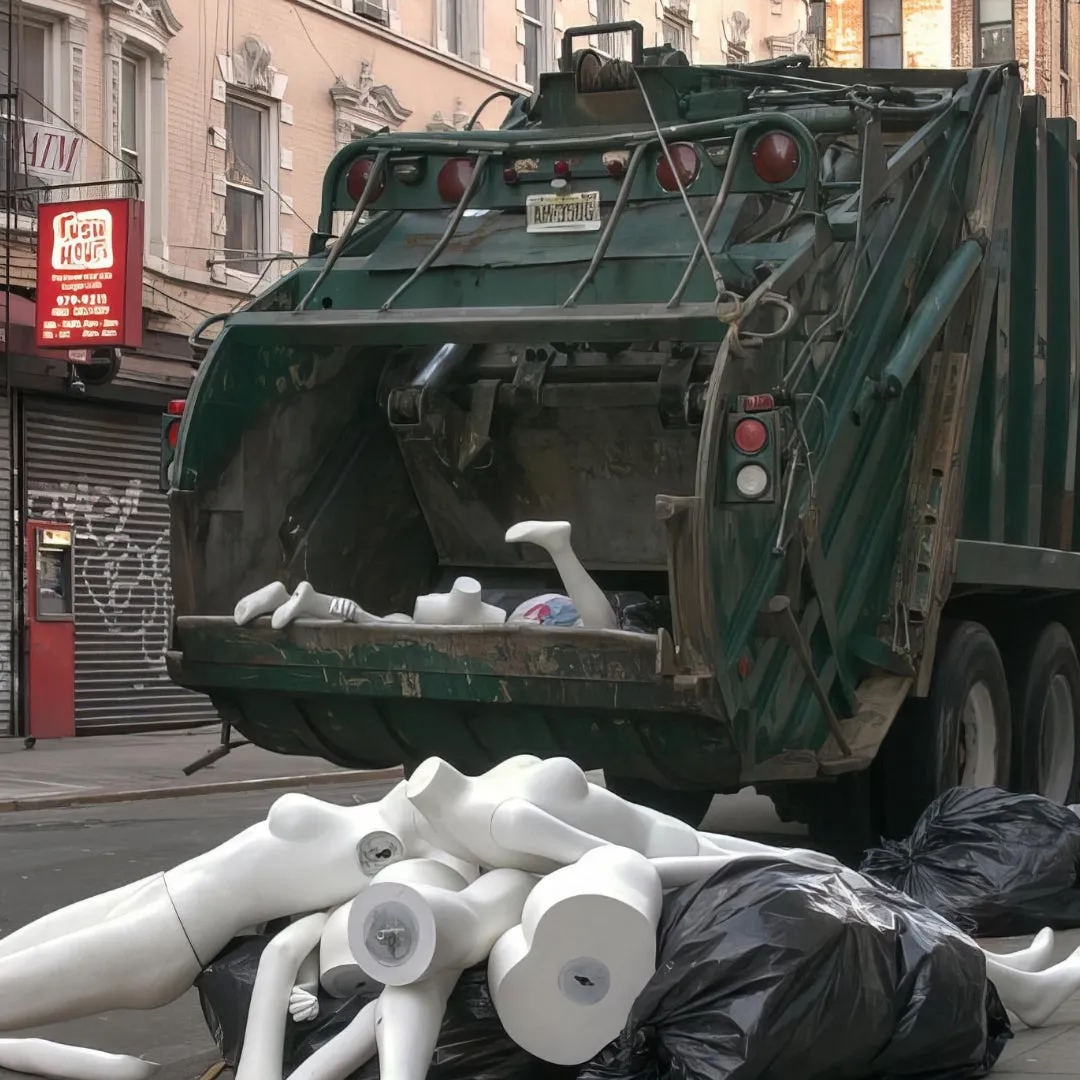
751	480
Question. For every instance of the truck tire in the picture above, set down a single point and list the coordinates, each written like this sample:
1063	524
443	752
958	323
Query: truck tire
688	806
960	735
1044	685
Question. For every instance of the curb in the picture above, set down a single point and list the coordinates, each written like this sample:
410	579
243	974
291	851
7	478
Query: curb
100	798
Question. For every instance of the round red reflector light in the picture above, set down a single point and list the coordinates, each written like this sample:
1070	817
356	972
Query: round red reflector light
751	436
562	168
454	178
686	162
357	179
510	176
775	157
173	434
616	167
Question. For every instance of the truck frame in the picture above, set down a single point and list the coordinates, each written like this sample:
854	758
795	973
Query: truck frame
797	354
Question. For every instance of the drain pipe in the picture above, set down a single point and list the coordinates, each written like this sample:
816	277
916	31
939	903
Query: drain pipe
1032	46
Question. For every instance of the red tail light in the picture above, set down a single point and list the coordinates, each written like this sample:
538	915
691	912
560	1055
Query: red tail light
176	407
510	175
357	179
775	157
751	436
454	178
686	162
562	169
173	434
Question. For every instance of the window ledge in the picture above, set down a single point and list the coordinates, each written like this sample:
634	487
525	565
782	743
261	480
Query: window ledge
186	275
421	48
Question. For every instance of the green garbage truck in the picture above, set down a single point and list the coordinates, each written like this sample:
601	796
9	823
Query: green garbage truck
793	349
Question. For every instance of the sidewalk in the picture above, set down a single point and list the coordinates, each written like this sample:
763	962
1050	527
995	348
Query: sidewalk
114	768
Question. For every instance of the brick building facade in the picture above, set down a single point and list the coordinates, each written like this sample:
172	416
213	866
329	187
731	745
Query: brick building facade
963	33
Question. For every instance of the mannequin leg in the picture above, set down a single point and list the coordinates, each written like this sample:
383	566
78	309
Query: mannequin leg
142	960
57	1061
263	602
345	1053
67	920
1034	996
264	1035
1036	957
407	1024
521	826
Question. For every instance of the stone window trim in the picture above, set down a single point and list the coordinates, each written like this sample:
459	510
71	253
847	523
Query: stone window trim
364	107
141	30
251	78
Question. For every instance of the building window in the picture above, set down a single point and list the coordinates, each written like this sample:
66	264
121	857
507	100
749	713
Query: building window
453	26
31	74
535	40
132	115
462	34
1063	7
609	11
676	34
994	32
884	39
245	199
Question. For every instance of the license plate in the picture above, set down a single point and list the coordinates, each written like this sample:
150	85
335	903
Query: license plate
577	211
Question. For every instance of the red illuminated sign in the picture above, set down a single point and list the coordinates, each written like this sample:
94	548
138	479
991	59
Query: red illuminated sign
89	274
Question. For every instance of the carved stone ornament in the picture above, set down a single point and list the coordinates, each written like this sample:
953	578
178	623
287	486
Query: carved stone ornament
363	106
251	64
737	27
155	17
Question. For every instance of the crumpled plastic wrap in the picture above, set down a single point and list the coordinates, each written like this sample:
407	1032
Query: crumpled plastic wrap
472	1044
995	863
768	971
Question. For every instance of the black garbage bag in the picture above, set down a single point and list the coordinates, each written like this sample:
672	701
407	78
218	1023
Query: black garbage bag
472	1043
995	863
768	971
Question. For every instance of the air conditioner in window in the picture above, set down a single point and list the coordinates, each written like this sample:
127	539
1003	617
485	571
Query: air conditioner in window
372	9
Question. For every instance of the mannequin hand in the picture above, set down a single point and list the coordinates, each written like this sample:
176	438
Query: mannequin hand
303	1005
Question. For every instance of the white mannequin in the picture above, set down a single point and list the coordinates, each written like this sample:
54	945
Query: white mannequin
554	537
346	1052
402	933
461	606
264	601
1034	996
563	981
1036	957
264	1035
306	603
141	946
57	1061
536	815
407	1024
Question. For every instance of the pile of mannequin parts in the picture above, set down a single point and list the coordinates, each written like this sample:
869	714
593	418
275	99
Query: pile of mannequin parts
557	885
583	605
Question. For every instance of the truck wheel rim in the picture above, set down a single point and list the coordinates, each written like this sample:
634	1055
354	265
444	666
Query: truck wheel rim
1057	741
978	739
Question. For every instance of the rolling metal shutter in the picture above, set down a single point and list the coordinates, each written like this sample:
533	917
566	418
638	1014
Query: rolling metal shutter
7	575
98	468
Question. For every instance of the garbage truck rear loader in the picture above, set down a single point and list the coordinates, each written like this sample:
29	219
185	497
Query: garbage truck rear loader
794	351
